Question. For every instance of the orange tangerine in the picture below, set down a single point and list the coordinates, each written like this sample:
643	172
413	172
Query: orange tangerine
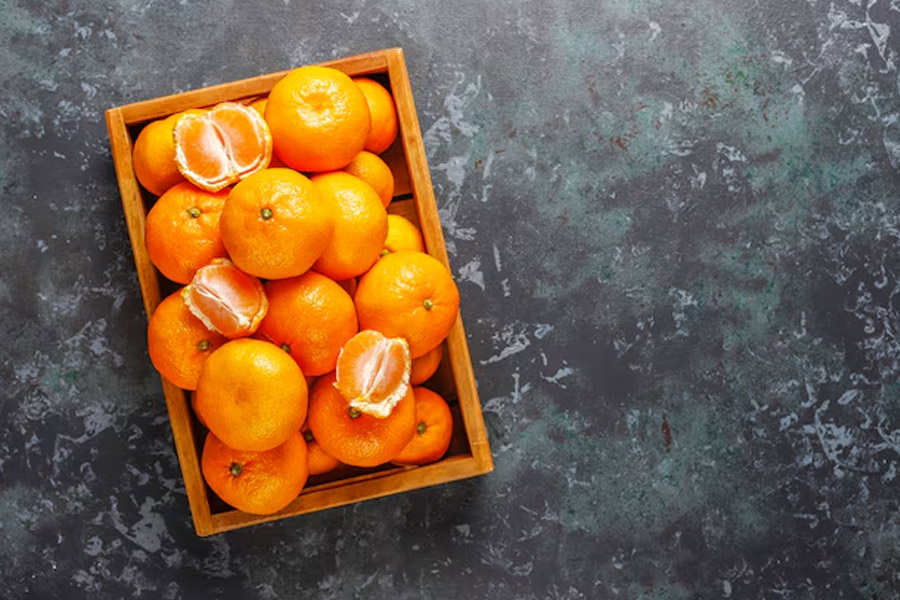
425	366
360	226
402	235
154	156
259	483
251	395
178	343
310	317
374	171
319	461
384	115
182	230
276	224
434	428
355	438
409	295
319	119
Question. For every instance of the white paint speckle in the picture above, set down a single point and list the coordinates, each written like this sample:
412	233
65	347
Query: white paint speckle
471	272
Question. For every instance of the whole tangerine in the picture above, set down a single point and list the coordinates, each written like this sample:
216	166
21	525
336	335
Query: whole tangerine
360	226
310	317
276	224
182	230
319	119
251	394
355	438
410	295
178	343
260	483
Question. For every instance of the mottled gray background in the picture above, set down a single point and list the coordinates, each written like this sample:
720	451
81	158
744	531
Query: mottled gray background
675	230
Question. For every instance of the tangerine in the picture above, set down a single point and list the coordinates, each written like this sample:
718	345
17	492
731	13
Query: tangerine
178	343
402	235
260	483
310	317
153	157
434	428
276	224
374	171
384	115
319	461
360	226
319	119
373	372
251	395
226	299
221	146
425	366
410	295
182	230
355	438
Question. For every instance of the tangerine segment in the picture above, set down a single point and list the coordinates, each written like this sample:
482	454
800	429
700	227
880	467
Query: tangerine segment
355	438
410	295
178	343
373	372
221	146
226	299
251	395
182	230
310	317
434	428
402	235
384	115
319	119
259	483
425	366
275	224
319	461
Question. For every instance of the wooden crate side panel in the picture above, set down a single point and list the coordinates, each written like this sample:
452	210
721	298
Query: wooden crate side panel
430	225
188	456
147	110
451	469
133	206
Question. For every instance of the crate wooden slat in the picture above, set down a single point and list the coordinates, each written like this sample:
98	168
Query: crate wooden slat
409	166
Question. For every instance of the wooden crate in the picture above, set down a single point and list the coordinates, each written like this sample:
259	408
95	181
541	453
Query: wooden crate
469	453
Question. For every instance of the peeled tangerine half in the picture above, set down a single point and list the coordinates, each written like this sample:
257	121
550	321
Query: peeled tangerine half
220	146
226	299
373	372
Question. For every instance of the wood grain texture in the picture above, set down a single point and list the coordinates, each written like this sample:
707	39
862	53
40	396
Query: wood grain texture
396	160
430	225
408	163
133	205
147	110
394	482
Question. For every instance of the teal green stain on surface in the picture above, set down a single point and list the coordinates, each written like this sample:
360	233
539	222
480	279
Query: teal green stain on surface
600	232
636	467
793	179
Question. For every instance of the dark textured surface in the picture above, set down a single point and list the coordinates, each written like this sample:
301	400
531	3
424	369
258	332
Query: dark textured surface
675	229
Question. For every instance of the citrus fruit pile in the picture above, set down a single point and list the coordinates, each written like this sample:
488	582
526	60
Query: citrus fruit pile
308	316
